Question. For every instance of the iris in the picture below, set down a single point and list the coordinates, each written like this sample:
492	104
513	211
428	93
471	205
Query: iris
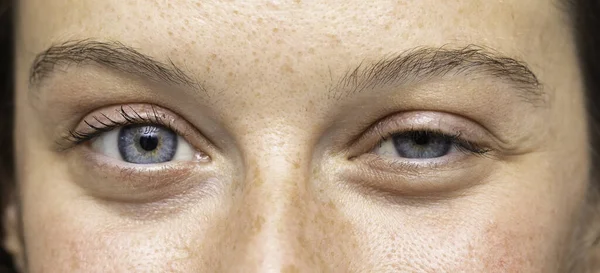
422	144
147	144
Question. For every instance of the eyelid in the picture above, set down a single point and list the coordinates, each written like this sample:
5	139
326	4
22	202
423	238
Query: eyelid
109	118
444	123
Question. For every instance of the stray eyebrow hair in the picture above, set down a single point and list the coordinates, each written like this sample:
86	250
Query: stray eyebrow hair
113	55
427	63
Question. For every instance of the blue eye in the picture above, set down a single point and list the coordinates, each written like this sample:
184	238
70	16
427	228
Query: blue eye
142	144
420	144
425	145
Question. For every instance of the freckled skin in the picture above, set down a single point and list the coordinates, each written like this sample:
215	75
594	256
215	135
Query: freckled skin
279	207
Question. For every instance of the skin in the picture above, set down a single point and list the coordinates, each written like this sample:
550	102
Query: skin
285	189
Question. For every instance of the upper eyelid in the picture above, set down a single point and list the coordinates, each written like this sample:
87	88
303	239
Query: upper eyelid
110	123
445	123
108	118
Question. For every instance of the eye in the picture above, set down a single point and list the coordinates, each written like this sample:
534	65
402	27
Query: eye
423	145
416	144
143	144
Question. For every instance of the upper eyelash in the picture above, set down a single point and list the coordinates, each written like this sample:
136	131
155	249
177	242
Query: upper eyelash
457	141
77	137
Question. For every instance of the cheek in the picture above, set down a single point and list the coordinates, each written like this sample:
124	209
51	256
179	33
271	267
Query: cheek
73	248
502	250
516	231
458	249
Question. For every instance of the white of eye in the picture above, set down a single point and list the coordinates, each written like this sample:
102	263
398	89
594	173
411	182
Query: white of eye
386	148
107	144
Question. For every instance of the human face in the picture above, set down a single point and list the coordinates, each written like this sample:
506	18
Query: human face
295	136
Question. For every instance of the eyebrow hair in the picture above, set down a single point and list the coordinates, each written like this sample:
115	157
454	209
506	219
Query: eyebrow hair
417	64
426	63
113	55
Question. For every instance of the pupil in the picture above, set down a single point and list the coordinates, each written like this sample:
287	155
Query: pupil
421	139
149	142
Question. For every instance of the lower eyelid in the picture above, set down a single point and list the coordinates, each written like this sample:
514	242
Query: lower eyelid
399	164
406	178
116	180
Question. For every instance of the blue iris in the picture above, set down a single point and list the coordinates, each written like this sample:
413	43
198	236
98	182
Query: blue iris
147	144
419	144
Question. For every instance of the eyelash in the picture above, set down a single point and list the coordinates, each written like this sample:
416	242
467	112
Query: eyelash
80	136
463	145
76	137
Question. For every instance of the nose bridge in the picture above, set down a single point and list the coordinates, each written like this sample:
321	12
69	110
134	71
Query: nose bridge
273	199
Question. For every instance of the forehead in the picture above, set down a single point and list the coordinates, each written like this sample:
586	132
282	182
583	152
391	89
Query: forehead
287	29
297	47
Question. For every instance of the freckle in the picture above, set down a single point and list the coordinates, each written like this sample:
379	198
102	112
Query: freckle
259	20
298	1
170	33
311	50
198	4
279	41
388	26
275	30
290	269
236	12
257	224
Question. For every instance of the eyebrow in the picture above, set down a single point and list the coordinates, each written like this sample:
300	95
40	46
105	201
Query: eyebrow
417	64
113	55
426	63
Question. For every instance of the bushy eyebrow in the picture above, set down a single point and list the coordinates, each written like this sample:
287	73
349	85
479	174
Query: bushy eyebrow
425	63
113	55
